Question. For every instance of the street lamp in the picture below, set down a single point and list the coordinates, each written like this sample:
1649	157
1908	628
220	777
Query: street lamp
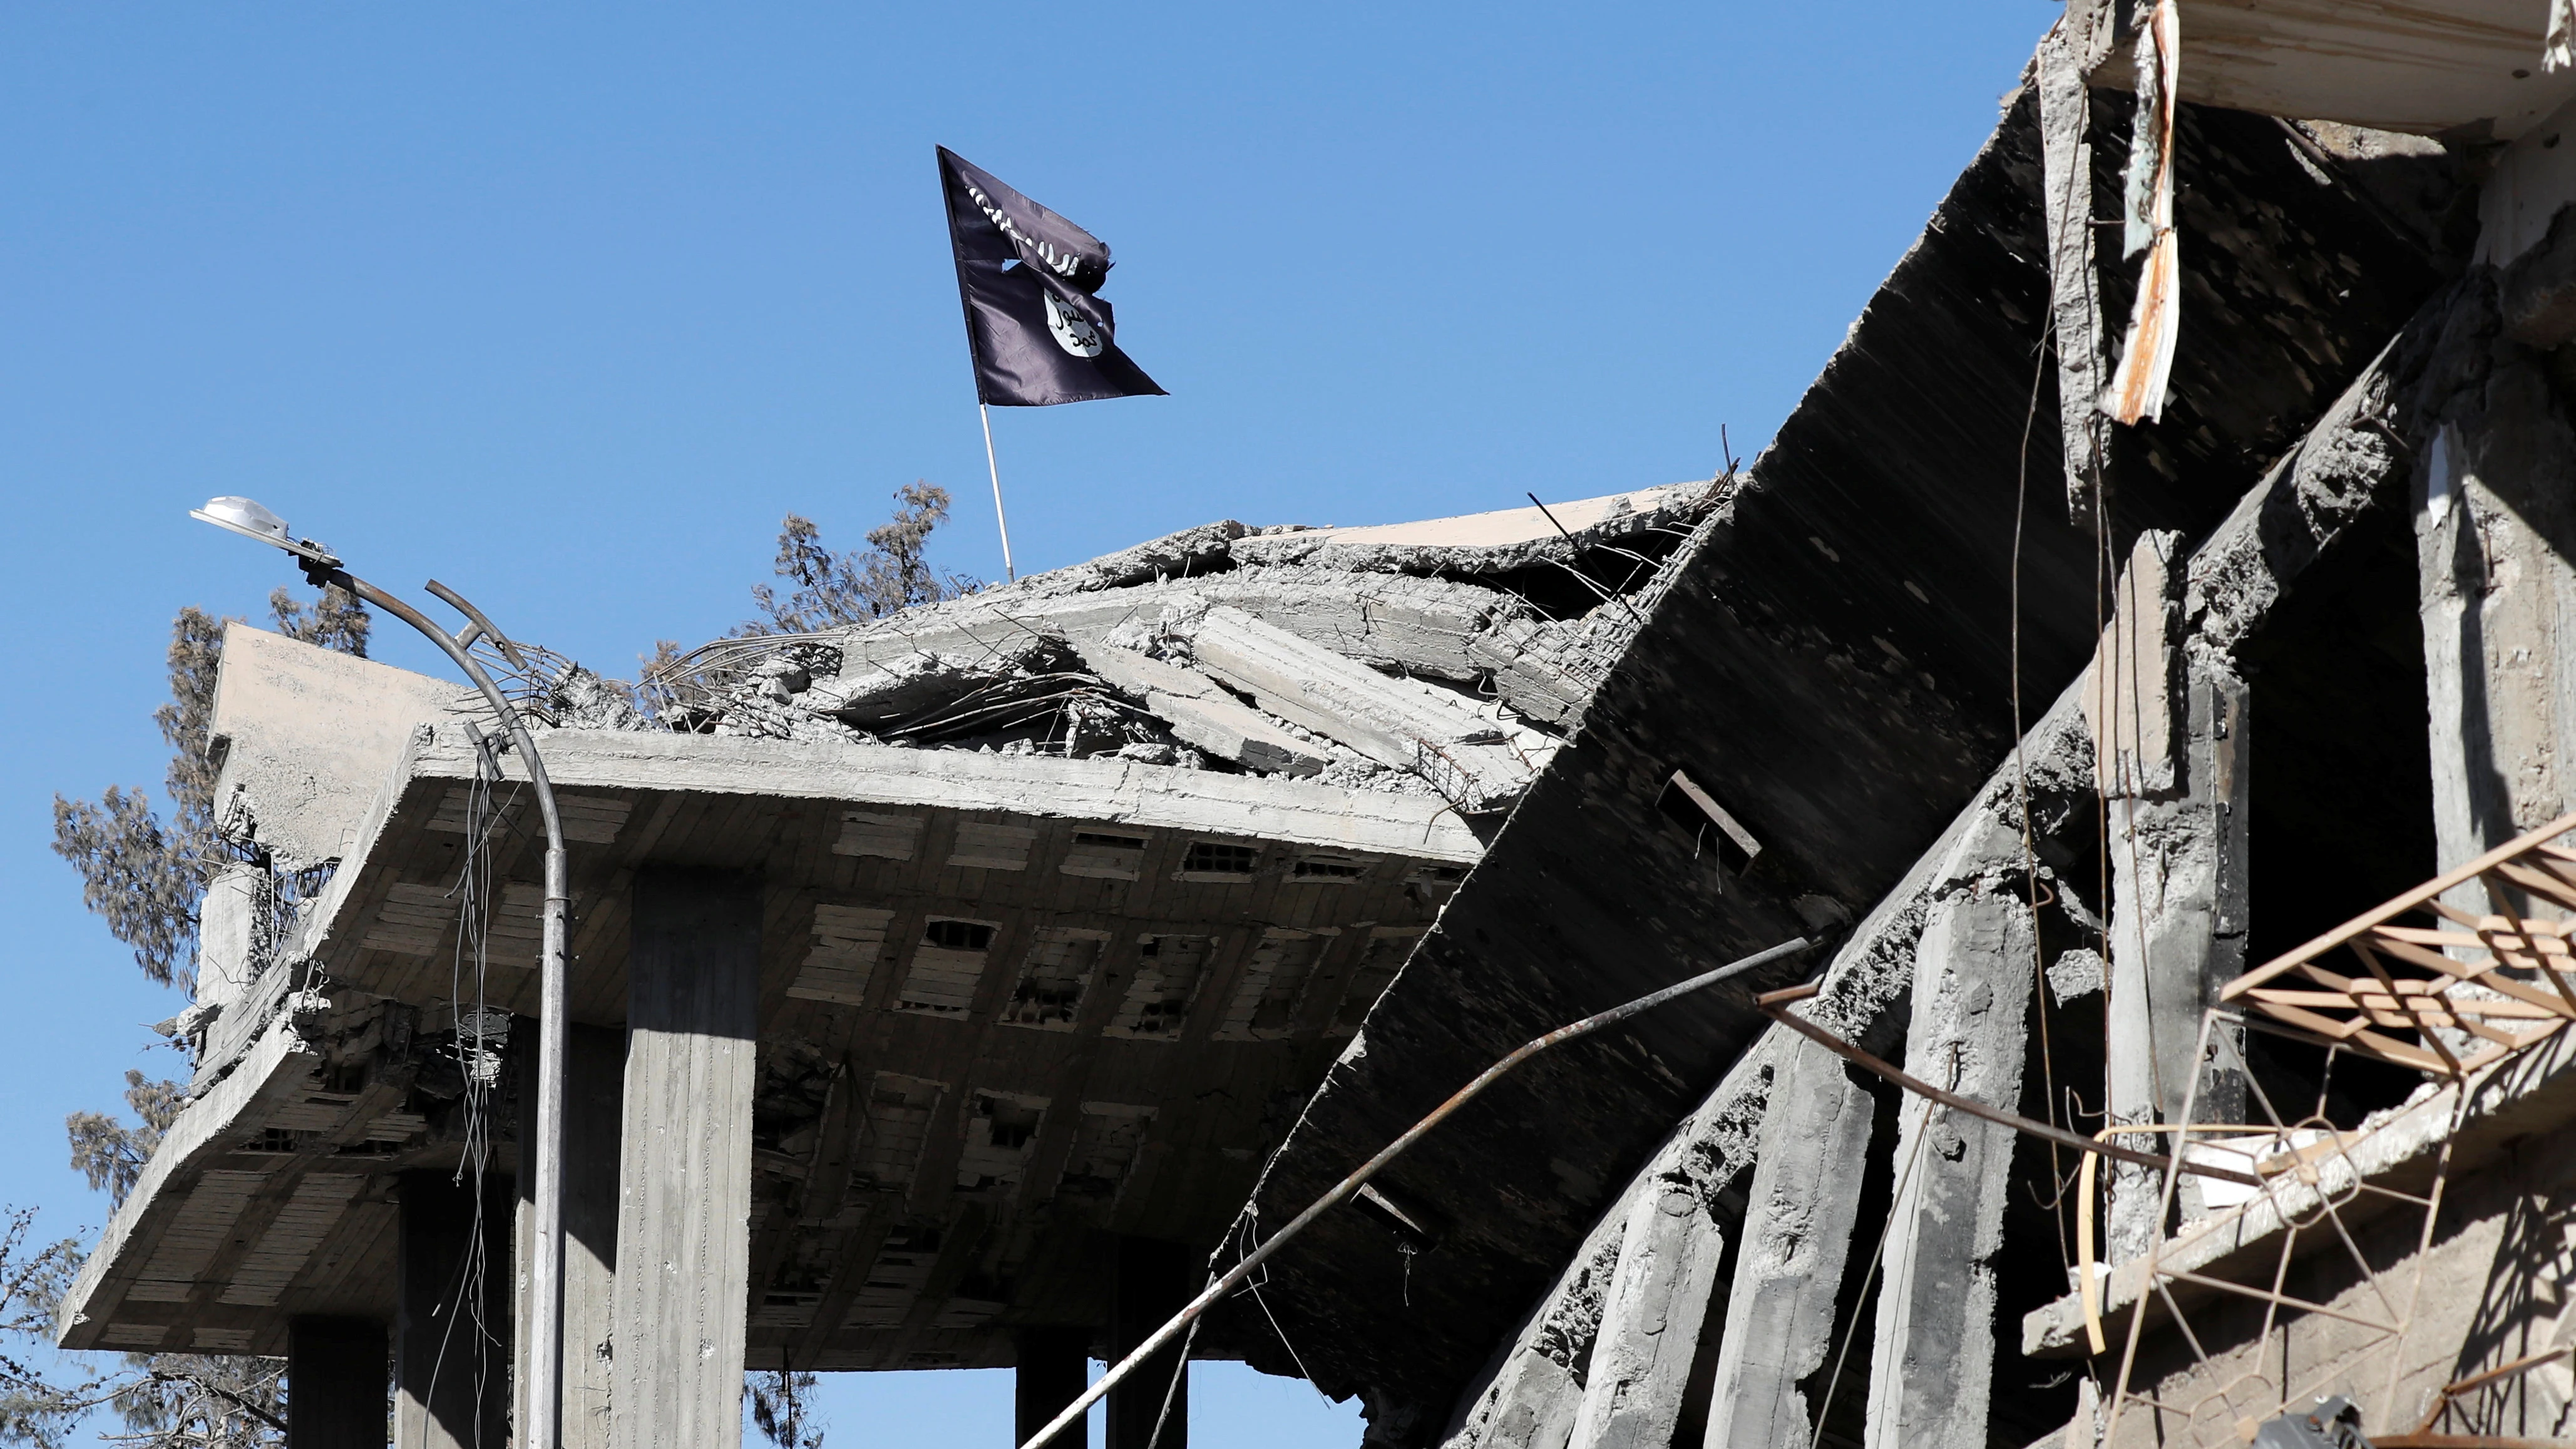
321	567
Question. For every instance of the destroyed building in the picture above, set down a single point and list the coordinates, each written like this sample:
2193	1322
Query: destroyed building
2137	661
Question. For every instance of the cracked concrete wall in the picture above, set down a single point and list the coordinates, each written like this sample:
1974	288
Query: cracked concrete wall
305	736
2485	1293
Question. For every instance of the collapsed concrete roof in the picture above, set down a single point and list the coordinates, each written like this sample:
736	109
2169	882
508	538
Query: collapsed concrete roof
1073	889
1831	666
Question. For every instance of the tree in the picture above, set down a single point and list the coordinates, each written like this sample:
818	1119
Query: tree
166	1400
36	1406
779	1410
109	1153
835	590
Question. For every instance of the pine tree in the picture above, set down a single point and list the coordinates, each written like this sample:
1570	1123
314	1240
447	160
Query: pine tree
835	590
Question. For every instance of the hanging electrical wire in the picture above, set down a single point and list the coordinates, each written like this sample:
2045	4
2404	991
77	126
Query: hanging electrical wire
481	1035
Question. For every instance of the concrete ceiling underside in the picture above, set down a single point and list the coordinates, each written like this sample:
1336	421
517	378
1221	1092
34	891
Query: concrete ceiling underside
1007	1005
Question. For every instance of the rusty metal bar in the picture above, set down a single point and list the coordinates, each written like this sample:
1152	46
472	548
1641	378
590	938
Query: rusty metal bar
1235	1276
1775	1005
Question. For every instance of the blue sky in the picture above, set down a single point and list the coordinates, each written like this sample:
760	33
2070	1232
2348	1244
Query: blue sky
566	305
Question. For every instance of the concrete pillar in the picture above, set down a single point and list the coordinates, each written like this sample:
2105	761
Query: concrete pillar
1973	971
1155	1280
1669	1253
336	1383
2495	532
228	922
1054	1366
594	1100
684	1161
2178	921
452	1312
1798	1221
2169	727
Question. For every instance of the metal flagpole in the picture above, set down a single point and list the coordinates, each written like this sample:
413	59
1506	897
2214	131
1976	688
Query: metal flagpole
986	413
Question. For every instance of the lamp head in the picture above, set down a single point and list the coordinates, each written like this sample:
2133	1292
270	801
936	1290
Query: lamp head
247	518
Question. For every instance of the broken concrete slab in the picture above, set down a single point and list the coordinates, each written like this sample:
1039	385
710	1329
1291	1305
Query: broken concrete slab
1313	687
1202	713
1204	549
1422	624
1487	543
2350	469
1465	754
916	683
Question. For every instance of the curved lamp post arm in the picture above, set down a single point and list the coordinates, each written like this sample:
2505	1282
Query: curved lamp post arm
511	723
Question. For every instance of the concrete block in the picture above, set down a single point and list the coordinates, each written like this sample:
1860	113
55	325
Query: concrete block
228	947
306	736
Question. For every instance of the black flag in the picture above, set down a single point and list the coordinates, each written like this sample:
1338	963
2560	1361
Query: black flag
1027	277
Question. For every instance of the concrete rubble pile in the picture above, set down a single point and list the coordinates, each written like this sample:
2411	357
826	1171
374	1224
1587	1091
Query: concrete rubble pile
1355	657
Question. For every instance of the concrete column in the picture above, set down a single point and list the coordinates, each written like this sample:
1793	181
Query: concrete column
1798	1221
2178	921
2495	532
1154	1281
2168	718
594	1100
1669	1254
336	1382
1054	1366
684	1161
452	1312
1936	1302
228	920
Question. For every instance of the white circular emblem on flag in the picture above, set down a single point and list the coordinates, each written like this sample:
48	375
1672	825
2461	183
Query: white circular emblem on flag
1073	332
